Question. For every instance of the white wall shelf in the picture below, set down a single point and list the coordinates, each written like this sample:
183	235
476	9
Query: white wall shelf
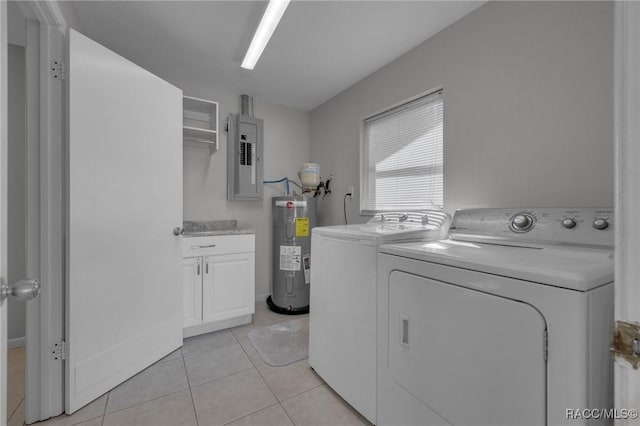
200	123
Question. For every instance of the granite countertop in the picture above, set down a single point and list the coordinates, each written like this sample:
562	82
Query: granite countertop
213	227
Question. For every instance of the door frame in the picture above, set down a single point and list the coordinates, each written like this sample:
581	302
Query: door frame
4	136
627	192
46	28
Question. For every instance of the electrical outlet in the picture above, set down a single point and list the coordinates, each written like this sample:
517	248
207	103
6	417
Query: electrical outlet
350	191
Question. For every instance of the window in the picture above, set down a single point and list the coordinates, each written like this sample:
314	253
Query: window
402	159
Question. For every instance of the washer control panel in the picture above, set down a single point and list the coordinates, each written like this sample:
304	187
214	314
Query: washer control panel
591	226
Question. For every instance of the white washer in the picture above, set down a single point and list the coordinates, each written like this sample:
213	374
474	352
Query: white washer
504	323
342	317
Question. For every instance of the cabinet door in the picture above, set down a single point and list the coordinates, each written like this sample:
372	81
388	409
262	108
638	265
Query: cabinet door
191	291
228	286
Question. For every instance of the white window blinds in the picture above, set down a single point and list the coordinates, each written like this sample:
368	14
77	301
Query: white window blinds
402	156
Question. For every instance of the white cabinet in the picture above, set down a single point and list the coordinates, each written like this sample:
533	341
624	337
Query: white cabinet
200	123
218	282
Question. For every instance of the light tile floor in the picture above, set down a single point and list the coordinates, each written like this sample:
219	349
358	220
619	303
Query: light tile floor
15	385
218	379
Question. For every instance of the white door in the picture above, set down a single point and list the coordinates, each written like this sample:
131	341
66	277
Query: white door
627	137
124	197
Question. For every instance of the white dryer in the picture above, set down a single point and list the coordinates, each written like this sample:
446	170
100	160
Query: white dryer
506	322
342	317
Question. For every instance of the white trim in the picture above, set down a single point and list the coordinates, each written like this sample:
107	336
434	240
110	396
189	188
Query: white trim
18	342
52	134
210	327
409	103
46	29
420	99
362	154
46	12
3	207
33	368
406	101
627	192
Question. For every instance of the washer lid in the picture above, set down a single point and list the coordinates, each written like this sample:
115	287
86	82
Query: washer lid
571	267
391	227
381	233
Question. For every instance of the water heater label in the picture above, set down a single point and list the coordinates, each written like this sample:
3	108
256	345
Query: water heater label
291	203
306	260
290	258
302	227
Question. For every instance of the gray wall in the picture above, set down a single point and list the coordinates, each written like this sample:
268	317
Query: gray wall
286	146
16	256
528	92
68	10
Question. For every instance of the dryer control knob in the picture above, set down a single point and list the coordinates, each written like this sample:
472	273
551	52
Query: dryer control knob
522	222
600	223
569	223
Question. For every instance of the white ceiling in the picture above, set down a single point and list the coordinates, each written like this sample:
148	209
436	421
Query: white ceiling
319	49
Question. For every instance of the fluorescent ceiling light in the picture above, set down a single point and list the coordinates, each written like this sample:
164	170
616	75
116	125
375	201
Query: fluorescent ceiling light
268	23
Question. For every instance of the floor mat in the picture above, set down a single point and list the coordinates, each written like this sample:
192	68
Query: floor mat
283	343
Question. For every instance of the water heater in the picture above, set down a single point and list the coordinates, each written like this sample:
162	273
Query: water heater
244	154
293	219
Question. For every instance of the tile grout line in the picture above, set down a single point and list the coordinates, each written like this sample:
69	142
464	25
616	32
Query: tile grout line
199	352
304	391
193	403
278	402
263	379
255	411
287	413
13	413
141	403
250	414
104	412
271	390
247	354
223	377
265	382
237	342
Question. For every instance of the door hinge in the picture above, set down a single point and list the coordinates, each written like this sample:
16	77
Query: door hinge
57	69
545	345
625	343
59	351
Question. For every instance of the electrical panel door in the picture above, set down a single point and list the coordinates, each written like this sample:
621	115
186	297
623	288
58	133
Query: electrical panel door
244	158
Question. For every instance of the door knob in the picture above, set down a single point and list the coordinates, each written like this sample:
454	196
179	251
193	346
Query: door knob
178	231
22	290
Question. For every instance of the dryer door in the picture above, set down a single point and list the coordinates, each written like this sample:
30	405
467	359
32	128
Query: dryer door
472	357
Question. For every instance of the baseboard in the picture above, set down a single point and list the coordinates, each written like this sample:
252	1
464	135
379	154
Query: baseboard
15	343
210	327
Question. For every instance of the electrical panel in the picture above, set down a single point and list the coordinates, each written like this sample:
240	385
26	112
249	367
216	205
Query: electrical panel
244	158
